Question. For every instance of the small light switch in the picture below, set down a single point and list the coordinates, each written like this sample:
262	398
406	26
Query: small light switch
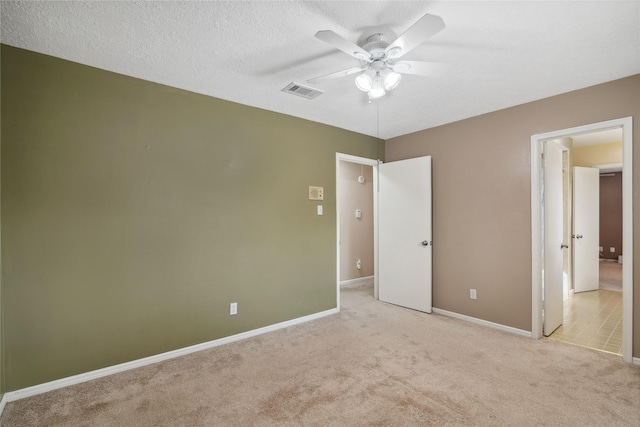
319	209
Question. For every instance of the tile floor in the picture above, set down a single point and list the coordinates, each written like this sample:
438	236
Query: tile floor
593	319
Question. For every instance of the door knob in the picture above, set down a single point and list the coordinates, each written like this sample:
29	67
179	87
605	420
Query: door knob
577	236
564	246
425	243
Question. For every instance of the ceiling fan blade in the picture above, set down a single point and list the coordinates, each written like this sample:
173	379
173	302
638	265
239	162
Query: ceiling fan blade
418	33
344	45
337	75
430	69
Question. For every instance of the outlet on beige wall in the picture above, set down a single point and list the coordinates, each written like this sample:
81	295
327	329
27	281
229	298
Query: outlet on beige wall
356	234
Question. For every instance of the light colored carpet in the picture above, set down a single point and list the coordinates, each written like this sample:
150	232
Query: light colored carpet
610	276
373	364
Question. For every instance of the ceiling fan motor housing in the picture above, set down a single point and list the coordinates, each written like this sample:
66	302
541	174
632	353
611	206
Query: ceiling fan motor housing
376	44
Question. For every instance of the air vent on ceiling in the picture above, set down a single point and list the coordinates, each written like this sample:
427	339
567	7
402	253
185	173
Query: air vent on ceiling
303	91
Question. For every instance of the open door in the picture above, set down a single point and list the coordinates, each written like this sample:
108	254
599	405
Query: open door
553	237
586	229
404	233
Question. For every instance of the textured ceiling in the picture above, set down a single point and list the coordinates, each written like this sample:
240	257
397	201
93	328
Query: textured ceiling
500	54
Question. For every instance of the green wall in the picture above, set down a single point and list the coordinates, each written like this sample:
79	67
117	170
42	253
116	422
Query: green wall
134	213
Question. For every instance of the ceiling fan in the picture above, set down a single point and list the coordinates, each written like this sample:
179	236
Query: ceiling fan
380	70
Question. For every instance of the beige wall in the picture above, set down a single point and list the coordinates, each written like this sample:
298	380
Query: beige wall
134	213
356	235
590	155
481	198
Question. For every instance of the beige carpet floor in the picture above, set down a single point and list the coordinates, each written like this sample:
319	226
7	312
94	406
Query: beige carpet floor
373	364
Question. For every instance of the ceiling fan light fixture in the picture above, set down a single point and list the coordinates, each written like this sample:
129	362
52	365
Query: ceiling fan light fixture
391	80
364	81
377	88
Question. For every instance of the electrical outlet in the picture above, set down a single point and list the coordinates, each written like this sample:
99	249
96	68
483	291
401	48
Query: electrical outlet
233	308
473	294
601	249
612	249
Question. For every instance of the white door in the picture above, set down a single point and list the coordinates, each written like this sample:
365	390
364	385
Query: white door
553	237
586	229
404	233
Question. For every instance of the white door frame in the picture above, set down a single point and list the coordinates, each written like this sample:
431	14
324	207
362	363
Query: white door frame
367	162
537	142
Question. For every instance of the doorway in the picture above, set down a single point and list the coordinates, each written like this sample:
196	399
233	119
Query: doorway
538	225
591	307
368	169
402	240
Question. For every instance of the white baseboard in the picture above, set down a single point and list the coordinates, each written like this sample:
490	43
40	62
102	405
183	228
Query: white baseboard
359	281
3	402
98	373
477	321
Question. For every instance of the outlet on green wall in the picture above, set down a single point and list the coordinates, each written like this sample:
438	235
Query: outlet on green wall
133	214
